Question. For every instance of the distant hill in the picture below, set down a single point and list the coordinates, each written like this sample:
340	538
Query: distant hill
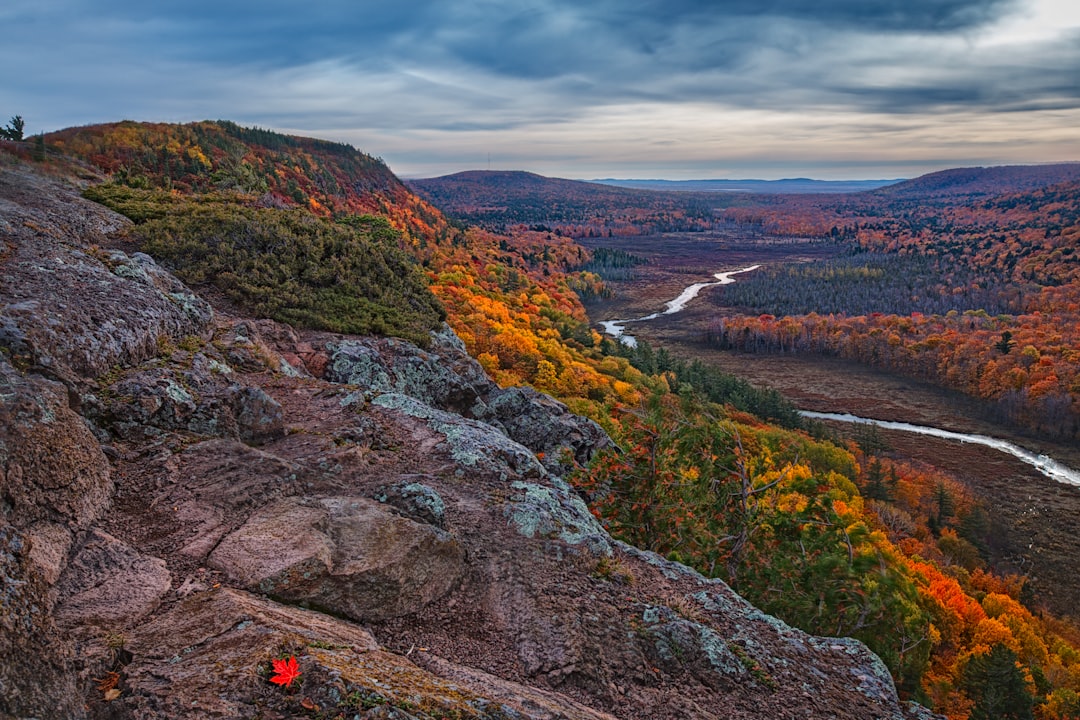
788	186
976	182
497	200
484	187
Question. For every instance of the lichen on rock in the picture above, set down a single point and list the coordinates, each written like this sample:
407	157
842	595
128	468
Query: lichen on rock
472	444
417	500
555	511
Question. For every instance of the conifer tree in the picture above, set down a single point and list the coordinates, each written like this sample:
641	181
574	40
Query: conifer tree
996	685
14	129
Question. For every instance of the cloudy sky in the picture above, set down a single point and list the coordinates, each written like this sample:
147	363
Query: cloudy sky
575	88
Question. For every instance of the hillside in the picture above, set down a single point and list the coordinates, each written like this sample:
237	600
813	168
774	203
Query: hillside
972	183
274	170
499	200
424	513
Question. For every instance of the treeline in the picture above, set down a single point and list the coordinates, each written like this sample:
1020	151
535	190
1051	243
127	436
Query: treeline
709	383
499	201
1023	366
613	264
868	283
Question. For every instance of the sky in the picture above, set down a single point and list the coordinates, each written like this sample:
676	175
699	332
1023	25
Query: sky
676	89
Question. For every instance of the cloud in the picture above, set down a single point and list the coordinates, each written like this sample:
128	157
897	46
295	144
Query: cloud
534	76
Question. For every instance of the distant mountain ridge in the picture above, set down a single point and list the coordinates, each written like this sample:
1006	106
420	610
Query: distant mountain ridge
766	187
983	181
502	199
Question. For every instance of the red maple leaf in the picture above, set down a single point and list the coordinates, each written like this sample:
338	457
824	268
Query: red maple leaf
287	671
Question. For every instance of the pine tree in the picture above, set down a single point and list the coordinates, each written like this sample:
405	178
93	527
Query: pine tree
14	129
876	487
996	685
1006	343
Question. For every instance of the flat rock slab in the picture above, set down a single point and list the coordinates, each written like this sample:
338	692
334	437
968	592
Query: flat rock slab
350	556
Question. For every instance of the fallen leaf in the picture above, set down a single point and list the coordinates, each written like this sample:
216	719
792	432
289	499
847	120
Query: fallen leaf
287	671
111	695
308	704
110	681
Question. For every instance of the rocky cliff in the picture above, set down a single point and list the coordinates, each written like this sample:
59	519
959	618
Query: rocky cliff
187	495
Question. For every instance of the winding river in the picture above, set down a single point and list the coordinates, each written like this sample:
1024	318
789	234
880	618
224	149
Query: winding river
615	328
1048	466
1044	464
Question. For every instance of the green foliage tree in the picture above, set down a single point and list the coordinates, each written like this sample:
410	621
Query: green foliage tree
944	509
869	439
995	683
759	509
975	528
710	383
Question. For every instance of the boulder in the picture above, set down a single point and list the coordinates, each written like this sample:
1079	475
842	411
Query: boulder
416	500
54	482
51	466
71	308
37	675
555	511
110	584
197	396
444	376
545	426
348	556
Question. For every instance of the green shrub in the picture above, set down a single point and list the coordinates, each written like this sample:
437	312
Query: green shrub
289	265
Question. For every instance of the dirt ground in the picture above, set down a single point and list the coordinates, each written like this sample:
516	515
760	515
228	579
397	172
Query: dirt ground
1036	520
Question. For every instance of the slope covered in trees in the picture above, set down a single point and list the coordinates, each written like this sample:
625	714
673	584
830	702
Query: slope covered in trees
810	526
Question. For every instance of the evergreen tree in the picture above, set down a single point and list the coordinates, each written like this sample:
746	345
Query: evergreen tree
944	508
876	487
14	129
975	528
996	685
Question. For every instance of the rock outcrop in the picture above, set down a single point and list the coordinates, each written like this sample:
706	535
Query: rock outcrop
186	496
445	378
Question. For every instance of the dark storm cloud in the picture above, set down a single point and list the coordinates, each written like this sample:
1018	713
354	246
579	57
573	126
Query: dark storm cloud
542	37
483	66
